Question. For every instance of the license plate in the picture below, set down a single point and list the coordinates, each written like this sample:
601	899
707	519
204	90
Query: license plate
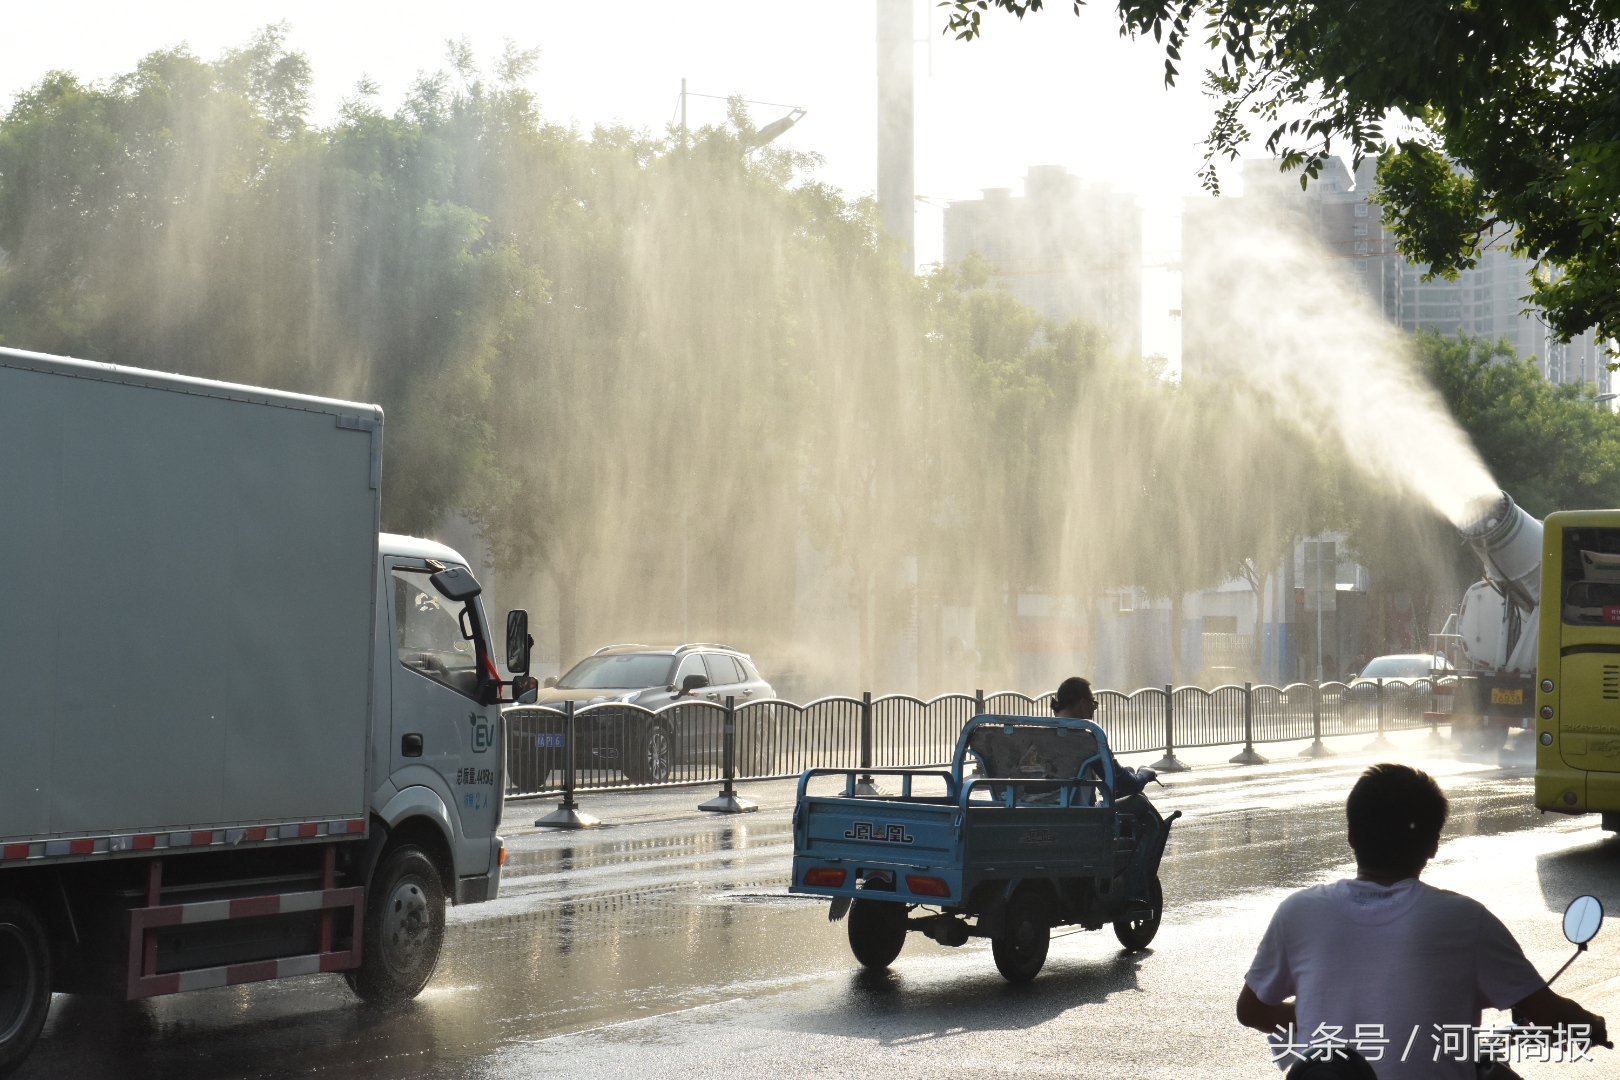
546	742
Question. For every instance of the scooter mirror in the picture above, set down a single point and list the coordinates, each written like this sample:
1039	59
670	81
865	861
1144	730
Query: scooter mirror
1582	919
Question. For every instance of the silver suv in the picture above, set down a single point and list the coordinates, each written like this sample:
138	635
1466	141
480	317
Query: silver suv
649	750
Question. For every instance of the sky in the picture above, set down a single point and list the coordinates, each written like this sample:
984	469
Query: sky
1054	89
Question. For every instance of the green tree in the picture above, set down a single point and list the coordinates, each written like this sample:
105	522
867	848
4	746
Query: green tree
1513	105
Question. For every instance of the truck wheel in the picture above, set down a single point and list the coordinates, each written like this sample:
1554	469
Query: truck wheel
25	982
404	928
1135	932
1020	948
877	931
652	760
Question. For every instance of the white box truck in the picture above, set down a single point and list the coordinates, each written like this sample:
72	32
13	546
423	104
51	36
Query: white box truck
243	735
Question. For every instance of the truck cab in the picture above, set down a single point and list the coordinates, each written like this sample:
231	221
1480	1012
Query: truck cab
437	741
1578	669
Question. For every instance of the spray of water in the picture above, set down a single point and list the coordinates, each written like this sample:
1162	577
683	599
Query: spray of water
682	393
1286	319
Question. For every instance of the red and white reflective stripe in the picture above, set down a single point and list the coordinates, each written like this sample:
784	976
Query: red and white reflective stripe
162	841
237	974
145	922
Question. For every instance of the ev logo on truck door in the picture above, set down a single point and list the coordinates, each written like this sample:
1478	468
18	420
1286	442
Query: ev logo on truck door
483	732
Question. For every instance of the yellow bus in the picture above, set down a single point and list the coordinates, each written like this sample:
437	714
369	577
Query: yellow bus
1578	666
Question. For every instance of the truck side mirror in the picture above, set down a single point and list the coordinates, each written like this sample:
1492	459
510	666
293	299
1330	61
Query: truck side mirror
694	682
518	641
456	583
525	688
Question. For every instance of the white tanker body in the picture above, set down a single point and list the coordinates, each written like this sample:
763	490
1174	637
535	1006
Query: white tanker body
1496	625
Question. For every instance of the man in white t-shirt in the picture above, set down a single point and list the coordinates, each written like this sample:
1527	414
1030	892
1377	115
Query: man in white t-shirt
1385	964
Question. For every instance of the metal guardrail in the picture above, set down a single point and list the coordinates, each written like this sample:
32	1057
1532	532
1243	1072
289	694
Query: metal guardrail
623	746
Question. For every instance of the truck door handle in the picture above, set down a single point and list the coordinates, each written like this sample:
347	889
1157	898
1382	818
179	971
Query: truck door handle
410	745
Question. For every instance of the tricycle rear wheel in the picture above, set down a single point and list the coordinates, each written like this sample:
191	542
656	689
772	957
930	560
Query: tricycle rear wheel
1020	948
1135	931
877	931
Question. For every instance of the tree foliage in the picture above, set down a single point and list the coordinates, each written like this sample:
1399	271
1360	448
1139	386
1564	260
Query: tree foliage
1512	105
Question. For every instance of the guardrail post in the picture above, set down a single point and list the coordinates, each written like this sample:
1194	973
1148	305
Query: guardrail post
1248	756
1382	742
1169	763
568	815
978	703
1433	713
865	785
1318	748
727	801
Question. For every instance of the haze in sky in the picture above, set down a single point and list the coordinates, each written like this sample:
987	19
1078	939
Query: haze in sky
1055	89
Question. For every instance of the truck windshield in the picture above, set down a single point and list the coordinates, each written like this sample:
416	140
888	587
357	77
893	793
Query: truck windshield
428	628
630	671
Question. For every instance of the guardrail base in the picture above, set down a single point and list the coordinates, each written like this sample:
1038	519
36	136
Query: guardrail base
568	817
1317	749
728	803
1378	745
1249	756
1170	763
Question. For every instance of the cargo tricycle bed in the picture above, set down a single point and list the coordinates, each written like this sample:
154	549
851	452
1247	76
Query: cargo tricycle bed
1033	837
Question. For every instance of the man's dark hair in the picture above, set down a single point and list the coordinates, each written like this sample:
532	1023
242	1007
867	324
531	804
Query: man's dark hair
1072	690
1396	813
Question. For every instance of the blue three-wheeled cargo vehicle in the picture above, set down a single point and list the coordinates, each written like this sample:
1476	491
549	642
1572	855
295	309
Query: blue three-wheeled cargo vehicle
1035	838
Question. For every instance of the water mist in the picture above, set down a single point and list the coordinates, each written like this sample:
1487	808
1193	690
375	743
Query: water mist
1283	316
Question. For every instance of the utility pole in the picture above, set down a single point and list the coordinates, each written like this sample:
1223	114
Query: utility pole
683	112
897	179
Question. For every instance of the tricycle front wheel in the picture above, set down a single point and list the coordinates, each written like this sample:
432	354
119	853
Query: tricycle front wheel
1135	931
877	931
1020	949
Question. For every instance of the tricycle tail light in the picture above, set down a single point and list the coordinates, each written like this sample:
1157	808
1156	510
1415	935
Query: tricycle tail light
825	875
927	886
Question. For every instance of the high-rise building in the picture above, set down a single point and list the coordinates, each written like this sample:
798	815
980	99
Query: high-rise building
1487	301
1066	248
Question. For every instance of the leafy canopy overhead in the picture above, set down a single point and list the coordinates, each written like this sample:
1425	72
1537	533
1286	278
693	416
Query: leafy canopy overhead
1512	111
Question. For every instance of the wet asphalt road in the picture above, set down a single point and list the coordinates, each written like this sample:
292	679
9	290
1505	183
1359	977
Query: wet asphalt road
666	945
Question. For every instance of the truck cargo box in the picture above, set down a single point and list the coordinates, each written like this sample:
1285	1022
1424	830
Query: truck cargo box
188	621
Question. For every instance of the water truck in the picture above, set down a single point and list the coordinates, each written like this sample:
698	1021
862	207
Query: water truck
1494	643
